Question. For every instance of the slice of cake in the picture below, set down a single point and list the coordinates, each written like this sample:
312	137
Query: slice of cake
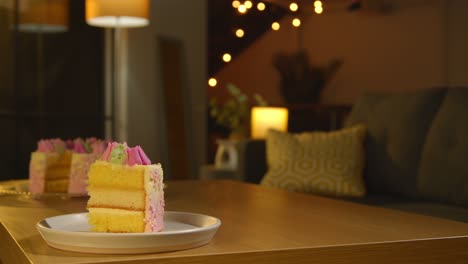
49	167
85	152
126	192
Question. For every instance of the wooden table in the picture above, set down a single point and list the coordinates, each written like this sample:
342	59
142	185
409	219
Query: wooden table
259	225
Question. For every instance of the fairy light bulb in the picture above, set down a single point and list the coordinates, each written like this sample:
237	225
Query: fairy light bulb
318	10
296	22
235	4
240	33
242	9
293	7
212	82
227	57
261	6
275	26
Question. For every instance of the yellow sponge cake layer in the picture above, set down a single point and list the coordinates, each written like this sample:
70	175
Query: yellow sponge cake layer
116	220
104	174
56	186
49	172
112	198
54	173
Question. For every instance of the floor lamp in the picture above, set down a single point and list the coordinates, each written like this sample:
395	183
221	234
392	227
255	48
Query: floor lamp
41	17
116	15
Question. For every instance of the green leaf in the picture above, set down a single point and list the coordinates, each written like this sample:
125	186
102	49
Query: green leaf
259	99
233	89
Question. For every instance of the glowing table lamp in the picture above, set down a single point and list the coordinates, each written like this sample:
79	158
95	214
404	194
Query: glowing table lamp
265	118
43	16
118	14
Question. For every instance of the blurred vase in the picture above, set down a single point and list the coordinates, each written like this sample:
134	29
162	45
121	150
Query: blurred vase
227	156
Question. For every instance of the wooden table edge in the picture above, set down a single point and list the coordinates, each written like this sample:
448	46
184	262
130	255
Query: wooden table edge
428	251
11	250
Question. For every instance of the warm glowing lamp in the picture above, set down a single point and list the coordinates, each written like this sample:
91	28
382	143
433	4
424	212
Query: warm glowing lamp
118	14
43	16
265	118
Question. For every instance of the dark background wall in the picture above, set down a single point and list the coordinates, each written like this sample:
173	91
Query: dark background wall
51	85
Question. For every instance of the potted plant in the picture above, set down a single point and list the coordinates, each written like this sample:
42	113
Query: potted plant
234	114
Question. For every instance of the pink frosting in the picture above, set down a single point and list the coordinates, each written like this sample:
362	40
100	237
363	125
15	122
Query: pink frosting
155	206
45	146
135	156
69	144
51	145
78	146
110	147
98	146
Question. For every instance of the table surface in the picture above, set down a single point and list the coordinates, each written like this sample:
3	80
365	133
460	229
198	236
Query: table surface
259	225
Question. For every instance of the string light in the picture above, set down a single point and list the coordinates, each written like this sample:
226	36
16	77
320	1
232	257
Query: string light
240	33
227	57
242	9
317	3
275	26
318	10
296	22
212	82
248	4
235	4
261	6
293	7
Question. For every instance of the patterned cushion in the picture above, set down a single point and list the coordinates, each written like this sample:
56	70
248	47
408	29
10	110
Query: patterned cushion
328	163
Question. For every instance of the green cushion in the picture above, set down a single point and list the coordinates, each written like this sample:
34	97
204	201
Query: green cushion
397	127
443	174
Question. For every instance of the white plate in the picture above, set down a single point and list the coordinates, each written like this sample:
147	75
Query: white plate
21	187
182	231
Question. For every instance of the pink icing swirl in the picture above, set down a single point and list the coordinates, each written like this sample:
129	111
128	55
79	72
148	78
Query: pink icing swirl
93	145
51	145
135	155
79	147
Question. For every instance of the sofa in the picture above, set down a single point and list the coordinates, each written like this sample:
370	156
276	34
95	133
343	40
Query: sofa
416	151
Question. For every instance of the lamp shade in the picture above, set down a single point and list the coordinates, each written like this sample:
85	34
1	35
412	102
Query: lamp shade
117	13
46	16
265	118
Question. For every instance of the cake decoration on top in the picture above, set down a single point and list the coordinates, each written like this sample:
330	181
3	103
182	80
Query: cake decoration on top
51	145
78	145
120	153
